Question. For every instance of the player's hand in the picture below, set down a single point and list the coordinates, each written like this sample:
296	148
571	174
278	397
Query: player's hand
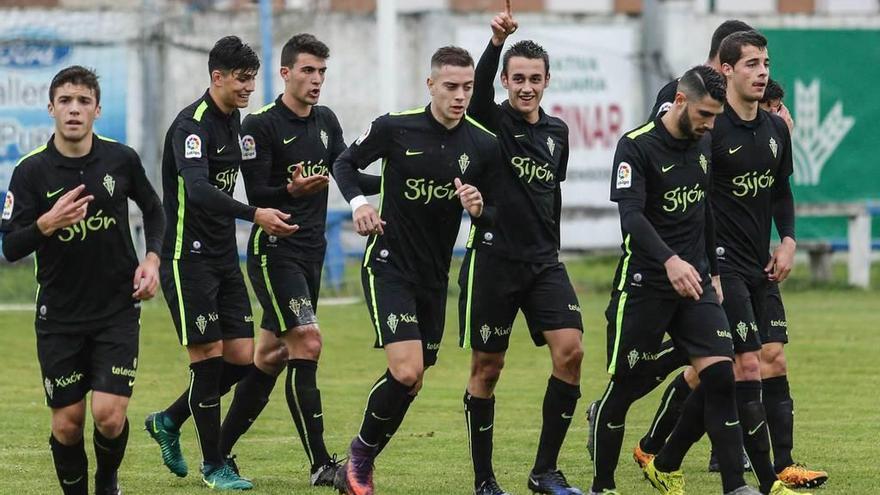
303	186
470	197
274	222
146	278
67	211
367	221
716	284
503	25
684	277
781	261
786	116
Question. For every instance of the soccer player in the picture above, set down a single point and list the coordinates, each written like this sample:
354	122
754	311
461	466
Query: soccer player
432	159
514	264
201	279
759	355
68	204
660	183
288	149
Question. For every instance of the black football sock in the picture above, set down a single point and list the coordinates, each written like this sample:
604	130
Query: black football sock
756	437
560	400
479	416
108	456
722	422
304	402
204	404
251	396
383	404
609	427
392	426
670	409
687	431
178	412
71	466
780	418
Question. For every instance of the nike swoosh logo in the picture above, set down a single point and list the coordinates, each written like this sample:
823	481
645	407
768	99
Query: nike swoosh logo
317	415
733	150
567	416
667	168
290	140
131	383
487	428
379	417
220	150
71	482
752	432
413	153
208	406
50	194
731	423
615	427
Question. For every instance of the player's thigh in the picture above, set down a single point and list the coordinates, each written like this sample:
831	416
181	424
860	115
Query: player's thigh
739	308
774	326
283	288
637	320
234	305
190	289
64	366
700	328
488	301
114	358
391	303
550	304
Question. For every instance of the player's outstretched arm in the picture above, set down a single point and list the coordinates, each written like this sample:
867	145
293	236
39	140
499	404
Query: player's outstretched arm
482	106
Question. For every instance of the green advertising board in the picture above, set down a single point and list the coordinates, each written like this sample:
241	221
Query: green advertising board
831	79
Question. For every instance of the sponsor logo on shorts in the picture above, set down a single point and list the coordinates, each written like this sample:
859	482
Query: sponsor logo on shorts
743	330
248	318
213	317
633	358
754	327
724	334
574	307
485	332
300	306
433	346
395	319
63	382
123	371
779	323
50	389
201	323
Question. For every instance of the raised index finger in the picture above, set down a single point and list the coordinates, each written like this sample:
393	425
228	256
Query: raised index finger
507	6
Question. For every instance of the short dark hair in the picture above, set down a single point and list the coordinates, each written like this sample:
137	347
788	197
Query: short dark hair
773	91
703	80
731	48
726	28
451	55
527	49
78	76
231	54
302	43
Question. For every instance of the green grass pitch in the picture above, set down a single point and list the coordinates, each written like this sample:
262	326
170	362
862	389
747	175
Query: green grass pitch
832	369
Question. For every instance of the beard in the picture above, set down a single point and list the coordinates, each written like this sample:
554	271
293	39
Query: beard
687	127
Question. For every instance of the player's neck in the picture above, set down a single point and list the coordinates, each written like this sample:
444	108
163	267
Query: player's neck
533	116
299	108
227	109
447	123
73	149
670	121
745	110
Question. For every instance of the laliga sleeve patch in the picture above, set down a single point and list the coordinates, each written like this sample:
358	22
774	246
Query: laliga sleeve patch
192	147
8	204
364	135
248	148
624	175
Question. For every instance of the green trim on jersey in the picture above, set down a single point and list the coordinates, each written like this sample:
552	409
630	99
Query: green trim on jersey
411	111
381	202
618	330
471	235
625	263
257	240
374	310
105	138
36	271
181	211
466	342
265	108
32	153
264	264
180	306
479	125
641	130
200	110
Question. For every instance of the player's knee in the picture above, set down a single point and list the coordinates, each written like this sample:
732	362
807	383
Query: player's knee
747	366
109	421
773	362
409	374
67	428
569	359
308	342
271	360
691	377
487	366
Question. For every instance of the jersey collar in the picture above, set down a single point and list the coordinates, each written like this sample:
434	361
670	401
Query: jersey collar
60	160
542	116
434	122
669	139
749	124
289	114
212	106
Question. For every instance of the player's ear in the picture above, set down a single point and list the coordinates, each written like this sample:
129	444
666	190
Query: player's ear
430	83
547	80
51	109
680	98
504	80
285	73
98	111
727	70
